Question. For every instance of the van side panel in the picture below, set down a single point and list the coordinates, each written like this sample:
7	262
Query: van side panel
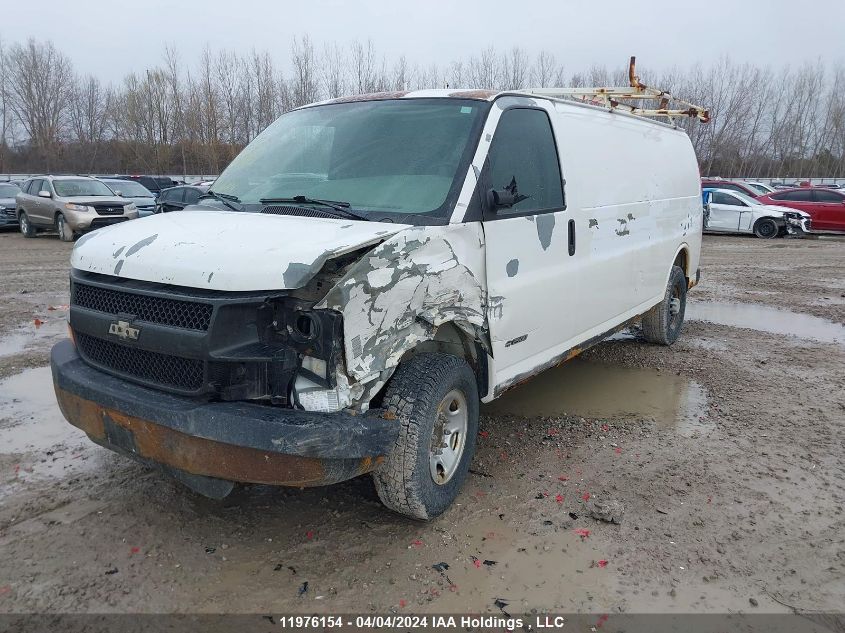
632	190
636	184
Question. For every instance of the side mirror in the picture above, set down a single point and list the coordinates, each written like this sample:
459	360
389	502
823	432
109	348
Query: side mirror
45	194
500	199
118	192
504	198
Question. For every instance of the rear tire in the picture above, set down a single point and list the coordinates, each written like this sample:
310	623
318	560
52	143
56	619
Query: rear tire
766	228
65	232
26	226
662	324
429	394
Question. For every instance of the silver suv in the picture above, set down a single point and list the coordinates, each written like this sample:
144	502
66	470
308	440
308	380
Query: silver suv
69	204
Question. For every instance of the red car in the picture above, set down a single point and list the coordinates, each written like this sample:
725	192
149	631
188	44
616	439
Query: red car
825	206
731	185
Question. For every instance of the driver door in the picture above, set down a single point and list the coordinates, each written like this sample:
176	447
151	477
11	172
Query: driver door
534	306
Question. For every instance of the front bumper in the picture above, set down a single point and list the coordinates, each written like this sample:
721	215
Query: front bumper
8	217
229	441
82	223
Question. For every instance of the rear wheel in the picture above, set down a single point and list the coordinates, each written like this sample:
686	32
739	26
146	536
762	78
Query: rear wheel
766	228
662	324
435	400
26	226
65	232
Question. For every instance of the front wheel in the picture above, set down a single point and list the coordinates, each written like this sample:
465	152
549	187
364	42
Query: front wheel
26	226
662	324
65	232
766	228
435	400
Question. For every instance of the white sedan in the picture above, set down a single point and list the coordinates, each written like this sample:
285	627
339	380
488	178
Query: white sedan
729	211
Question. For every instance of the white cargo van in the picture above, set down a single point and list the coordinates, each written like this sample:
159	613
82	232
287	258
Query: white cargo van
363	274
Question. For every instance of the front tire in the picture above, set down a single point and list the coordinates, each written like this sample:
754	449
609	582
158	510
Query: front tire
766	228
65	232
26	226
435	400
662	324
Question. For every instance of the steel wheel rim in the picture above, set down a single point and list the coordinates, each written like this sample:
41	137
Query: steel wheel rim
449	438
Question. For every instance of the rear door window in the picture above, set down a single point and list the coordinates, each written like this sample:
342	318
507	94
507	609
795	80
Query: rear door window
802	195
821	195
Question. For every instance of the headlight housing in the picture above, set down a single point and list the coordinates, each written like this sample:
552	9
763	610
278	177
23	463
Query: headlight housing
70	206
130	207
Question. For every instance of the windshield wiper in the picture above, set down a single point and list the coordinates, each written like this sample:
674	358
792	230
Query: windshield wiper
340	206
222	197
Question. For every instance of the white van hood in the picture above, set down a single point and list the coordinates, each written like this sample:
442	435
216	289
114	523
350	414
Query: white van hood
222	250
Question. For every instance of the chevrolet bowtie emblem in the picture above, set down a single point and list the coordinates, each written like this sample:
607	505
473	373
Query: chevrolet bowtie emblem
124	331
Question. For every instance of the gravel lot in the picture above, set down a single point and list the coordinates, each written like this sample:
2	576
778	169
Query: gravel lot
722	454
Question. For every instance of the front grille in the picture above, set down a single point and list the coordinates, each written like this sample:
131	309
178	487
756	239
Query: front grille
190	315
185	374
97	223
108	209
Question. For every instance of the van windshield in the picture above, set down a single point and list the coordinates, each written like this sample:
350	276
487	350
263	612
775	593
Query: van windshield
382	157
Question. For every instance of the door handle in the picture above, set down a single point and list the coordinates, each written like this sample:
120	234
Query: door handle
572	237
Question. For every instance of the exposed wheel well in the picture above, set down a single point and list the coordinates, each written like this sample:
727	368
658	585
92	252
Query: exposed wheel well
682	261
451	339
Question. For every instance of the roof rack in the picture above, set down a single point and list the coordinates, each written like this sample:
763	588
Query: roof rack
609	97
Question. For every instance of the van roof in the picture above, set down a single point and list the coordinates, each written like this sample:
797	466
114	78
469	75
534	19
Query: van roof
480	95
648	103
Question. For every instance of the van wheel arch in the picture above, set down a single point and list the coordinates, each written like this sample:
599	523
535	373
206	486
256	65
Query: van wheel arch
682	261
455	341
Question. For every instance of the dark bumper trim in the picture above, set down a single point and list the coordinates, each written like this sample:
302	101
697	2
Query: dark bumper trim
239	424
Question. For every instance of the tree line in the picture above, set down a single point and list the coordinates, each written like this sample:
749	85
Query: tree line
180	119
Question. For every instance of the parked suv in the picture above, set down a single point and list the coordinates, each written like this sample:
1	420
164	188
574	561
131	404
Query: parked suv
134	192
69	204
363	274
8	215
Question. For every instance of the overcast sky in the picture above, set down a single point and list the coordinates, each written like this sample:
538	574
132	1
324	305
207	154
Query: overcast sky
111	38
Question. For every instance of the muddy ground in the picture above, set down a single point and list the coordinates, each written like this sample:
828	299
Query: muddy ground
725	452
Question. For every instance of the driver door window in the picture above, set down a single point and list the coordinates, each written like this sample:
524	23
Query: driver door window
523	151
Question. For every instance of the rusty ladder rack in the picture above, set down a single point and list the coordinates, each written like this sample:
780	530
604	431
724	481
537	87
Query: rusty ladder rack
609	97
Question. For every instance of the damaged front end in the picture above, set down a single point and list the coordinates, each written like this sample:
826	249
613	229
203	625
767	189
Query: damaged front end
266	387
796	223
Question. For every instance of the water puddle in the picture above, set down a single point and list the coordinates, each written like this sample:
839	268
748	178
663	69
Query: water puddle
35	439
766	319
594	390
45	331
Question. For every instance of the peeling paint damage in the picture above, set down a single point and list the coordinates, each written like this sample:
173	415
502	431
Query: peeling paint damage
397	296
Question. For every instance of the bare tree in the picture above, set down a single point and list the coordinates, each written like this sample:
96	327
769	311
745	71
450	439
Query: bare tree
40	79
304	86
88	109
